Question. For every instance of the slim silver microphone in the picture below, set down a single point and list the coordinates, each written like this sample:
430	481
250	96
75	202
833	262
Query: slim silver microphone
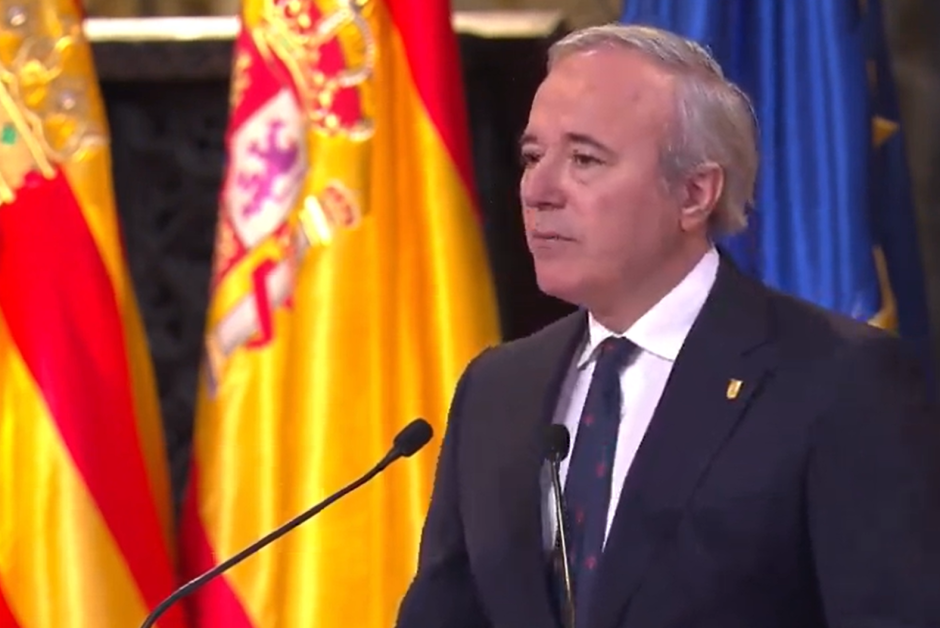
557	444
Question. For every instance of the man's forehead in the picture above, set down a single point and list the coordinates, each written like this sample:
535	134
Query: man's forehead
619	73
590	92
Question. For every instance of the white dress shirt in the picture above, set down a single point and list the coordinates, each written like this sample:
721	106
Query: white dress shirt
658	334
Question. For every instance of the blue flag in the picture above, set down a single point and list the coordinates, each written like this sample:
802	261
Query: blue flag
833	220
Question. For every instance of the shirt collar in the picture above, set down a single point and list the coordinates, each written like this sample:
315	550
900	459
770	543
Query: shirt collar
663	328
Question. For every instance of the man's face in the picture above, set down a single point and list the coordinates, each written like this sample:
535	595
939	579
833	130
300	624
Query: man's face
598	215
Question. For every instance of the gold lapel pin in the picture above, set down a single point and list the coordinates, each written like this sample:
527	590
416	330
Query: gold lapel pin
734	387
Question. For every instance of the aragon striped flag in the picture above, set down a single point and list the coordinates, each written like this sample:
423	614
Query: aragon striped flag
85	534
350	289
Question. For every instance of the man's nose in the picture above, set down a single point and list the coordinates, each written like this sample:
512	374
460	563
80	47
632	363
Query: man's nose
541	186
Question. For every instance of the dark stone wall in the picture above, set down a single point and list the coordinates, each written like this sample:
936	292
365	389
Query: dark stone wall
913	30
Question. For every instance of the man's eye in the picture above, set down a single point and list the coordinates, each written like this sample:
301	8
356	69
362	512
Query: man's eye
528	158
582	160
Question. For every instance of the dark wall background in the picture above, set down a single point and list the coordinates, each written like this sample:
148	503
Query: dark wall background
913	30
168	105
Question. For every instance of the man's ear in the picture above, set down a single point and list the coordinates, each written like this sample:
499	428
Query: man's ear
701	190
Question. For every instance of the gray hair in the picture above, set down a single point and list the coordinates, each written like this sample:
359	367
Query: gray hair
715	121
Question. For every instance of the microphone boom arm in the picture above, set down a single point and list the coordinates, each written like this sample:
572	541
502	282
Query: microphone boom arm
412	438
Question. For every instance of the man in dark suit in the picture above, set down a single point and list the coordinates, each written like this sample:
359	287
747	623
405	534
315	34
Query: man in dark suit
739	459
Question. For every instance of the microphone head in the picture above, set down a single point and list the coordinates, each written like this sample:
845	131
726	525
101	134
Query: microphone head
557	442
413	437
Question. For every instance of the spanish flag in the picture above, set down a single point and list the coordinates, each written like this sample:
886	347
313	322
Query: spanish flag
84	498
350	289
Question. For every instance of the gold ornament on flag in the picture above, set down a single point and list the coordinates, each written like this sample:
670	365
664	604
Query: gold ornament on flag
288	33
44	117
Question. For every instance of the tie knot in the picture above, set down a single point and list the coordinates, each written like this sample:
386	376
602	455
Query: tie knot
614	353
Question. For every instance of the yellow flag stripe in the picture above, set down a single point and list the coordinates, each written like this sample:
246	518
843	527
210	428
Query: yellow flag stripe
59	565
92	184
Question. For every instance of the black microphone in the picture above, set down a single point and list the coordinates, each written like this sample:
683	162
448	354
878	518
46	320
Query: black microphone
557	443
408	441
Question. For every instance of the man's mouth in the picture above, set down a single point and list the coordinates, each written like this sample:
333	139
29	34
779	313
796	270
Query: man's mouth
550	235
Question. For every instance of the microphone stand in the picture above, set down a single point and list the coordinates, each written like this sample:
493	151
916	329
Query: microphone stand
563	542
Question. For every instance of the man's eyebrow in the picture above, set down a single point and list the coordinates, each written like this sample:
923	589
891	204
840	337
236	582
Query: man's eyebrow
581	138
572	138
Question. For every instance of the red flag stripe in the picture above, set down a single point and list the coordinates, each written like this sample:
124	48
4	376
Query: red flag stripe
7	620
215	604
79	7
433	57
62	313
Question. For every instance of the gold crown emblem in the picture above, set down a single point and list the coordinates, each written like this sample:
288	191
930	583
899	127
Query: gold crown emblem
45	111
327	54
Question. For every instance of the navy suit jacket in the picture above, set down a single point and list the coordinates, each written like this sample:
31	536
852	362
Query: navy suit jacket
809	499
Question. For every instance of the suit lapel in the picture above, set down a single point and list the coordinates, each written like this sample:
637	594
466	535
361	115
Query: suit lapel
698	410
532	406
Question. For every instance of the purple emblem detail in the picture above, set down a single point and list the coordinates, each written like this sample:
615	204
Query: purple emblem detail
277	161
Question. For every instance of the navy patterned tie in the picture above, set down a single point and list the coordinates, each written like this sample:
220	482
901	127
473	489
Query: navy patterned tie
587	487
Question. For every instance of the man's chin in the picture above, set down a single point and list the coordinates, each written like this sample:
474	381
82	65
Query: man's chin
560	285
